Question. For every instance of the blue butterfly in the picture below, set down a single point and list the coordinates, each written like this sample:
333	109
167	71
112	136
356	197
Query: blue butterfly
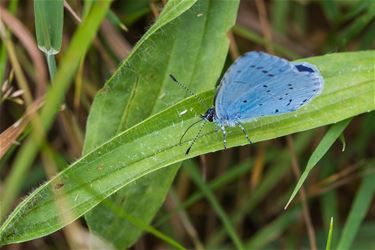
259	84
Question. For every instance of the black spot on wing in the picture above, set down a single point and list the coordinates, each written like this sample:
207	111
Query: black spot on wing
303	68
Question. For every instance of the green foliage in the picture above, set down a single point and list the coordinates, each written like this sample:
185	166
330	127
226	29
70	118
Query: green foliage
194	173
145	76
324	145
329	240
131	152
358	210
54	98
153	144
49	20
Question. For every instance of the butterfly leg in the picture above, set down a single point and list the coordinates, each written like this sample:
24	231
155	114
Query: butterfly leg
244	131
224	136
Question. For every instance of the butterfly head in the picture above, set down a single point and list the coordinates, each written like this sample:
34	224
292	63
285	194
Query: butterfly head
210	115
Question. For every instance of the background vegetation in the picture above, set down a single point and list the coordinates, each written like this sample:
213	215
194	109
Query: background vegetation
96	148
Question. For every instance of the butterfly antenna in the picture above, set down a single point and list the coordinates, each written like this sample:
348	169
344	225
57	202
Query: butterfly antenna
188	90
196	137
189	129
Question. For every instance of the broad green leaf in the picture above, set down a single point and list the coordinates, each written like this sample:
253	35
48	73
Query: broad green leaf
49	20
196	59
153	144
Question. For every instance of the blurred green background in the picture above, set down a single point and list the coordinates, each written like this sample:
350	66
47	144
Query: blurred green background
223	200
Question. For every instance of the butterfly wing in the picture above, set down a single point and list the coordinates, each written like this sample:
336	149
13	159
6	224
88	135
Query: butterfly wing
259	84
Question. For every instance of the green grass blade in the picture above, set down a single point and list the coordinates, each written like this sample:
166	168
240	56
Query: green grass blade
279	14
281	165
329	201
80	43
115	20
87	5
358	210
254	37
197	178
145	76
274	229
356	9
3	59
232	173
49	19
153	144
331	10
300	17
368	41
134	10
13	5
329	240
356	27
330	137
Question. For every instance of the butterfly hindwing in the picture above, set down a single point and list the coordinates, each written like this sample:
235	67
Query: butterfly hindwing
286	94
259	85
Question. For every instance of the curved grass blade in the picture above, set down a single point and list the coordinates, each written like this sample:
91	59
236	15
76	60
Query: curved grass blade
329	138
360	207
153	144
197	178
